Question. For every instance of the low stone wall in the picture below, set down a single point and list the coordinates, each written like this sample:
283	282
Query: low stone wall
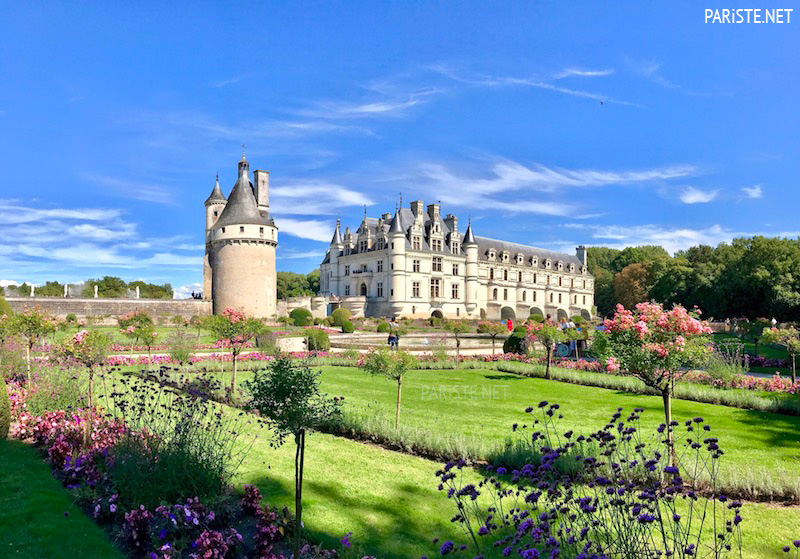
109	309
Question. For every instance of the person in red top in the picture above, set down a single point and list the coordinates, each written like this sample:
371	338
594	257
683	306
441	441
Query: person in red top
510	325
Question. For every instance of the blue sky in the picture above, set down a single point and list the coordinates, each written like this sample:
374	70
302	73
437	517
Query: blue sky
549	123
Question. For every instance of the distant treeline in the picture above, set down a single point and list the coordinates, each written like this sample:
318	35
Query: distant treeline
108	287
749	277
291	284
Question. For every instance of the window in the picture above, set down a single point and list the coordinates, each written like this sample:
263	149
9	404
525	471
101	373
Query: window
363	246
454	291
551	297
505	256
494	294
548	264
347	270
559	297
347	290
584	284
454	248
548	280
584	299
416	243
380	289
505	275
436	288
519	277
534	296
491	273
560	265
455	269
261	230
505	295
223	229
534	278
559	281
458	312
524	296
572	282
241	229
415	266
216	214
380	265
437	264
436	245
415	289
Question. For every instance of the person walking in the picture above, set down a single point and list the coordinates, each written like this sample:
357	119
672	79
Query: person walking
510	325
393	333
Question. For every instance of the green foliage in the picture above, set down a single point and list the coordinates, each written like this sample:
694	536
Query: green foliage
180	345
139	327
57	388
383	327
536	318
71	318
267	343
348	327
152	291
290	284
50	289
318	340
108	286
516	342
340	315
5	409
5	308
390	364
287	394
89	348
301	317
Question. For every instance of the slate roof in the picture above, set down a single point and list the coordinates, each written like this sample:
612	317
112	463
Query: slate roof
216	194
242	208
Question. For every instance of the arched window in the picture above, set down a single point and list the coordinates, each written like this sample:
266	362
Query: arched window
494	294
505	275
524	293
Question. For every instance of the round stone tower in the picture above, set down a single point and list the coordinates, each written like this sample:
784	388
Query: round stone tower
241	248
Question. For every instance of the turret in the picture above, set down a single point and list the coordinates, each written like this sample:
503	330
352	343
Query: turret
335	249
470	247
397	252
215	203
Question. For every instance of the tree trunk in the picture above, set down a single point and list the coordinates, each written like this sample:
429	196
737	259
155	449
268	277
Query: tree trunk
494	341
299	458
233	375
28	359
397	410
458	351
88	437
666	396
549	352
794	369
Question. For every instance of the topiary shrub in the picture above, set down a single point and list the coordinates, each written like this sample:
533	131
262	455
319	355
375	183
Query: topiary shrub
521	330
5	409
516	342
383	327
537	318
301	317
318	340
348	327
339	316
71	318
319	321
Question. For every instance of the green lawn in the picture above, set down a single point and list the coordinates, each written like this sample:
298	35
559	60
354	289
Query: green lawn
483	404
32	506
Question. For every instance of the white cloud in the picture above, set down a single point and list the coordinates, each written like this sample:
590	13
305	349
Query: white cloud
14	213
314	198
569	72
136	190
753	191
9	283
185	291
287	255
315	230
388	106
692	195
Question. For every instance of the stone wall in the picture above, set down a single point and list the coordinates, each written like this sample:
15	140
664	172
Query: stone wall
317	305
112	308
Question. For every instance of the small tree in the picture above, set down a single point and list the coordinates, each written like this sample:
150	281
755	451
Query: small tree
457	327
135	326
90	349
6	331
288	395
235	329
549	335
656	346
32	325
788	338
494	329
393	365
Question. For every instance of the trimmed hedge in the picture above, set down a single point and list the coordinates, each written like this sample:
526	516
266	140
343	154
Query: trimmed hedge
383	327
339	316
301	317
348	327
318	340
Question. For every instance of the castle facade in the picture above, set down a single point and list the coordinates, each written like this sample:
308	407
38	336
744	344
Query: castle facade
419	264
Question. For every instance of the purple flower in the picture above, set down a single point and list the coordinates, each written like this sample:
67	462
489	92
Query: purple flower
446	548
346	540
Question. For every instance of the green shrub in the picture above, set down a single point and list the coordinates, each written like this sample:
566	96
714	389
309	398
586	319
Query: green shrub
537	318
301	317
5	308
351	354
5	409
71	318
516	342
319	321
339	316
383	327
180	346
521	330
318	340
578	320
348	327
58	389
267	343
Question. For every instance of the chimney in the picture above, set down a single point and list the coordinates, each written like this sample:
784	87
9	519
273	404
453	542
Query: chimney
433	211
582	255
452	223
262	189
416	208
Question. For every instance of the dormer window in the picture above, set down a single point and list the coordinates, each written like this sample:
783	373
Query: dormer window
519	258
534	261
454	248
505	256
572	268
548	264
492	254
560	265
416	243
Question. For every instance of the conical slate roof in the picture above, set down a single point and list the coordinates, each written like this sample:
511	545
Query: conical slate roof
242	207
216	194
395	227
337	235
469	238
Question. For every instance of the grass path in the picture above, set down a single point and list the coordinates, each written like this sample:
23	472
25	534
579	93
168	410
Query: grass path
32	506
